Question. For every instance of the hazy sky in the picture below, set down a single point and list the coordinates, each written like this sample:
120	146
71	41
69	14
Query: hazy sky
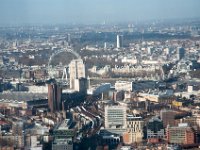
94	11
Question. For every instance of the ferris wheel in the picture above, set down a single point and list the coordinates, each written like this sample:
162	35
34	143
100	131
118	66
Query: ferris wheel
51	69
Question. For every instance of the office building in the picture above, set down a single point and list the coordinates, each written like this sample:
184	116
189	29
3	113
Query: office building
115	117
54	97
180	53
181	134
76	71
119	41
155	130
134	132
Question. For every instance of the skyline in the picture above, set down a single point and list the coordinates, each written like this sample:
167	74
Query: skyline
99	74
94	11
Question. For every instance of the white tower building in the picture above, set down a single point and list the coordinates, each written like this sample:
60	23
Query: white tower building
119	41
76	71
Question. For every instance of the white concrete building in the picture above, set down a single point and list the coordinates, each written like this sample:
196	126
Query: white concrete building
115	117
76	71
119	41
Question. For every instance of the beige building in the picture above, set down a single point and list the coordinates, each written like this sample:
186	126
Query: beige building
134	132
76	71
155	96
181	134
124	85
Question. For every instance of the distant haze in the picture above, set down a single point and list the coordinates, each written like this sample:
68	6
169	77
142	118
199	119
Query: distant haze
94	11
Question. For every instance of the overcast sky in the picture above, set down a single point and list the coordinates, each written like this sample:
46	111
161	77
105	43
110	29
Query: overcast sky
94	11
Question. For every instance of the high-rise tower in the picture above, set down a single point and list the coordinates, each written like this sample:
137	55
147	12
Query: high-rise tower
69	39
180	53
119	41
76	71
54	97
